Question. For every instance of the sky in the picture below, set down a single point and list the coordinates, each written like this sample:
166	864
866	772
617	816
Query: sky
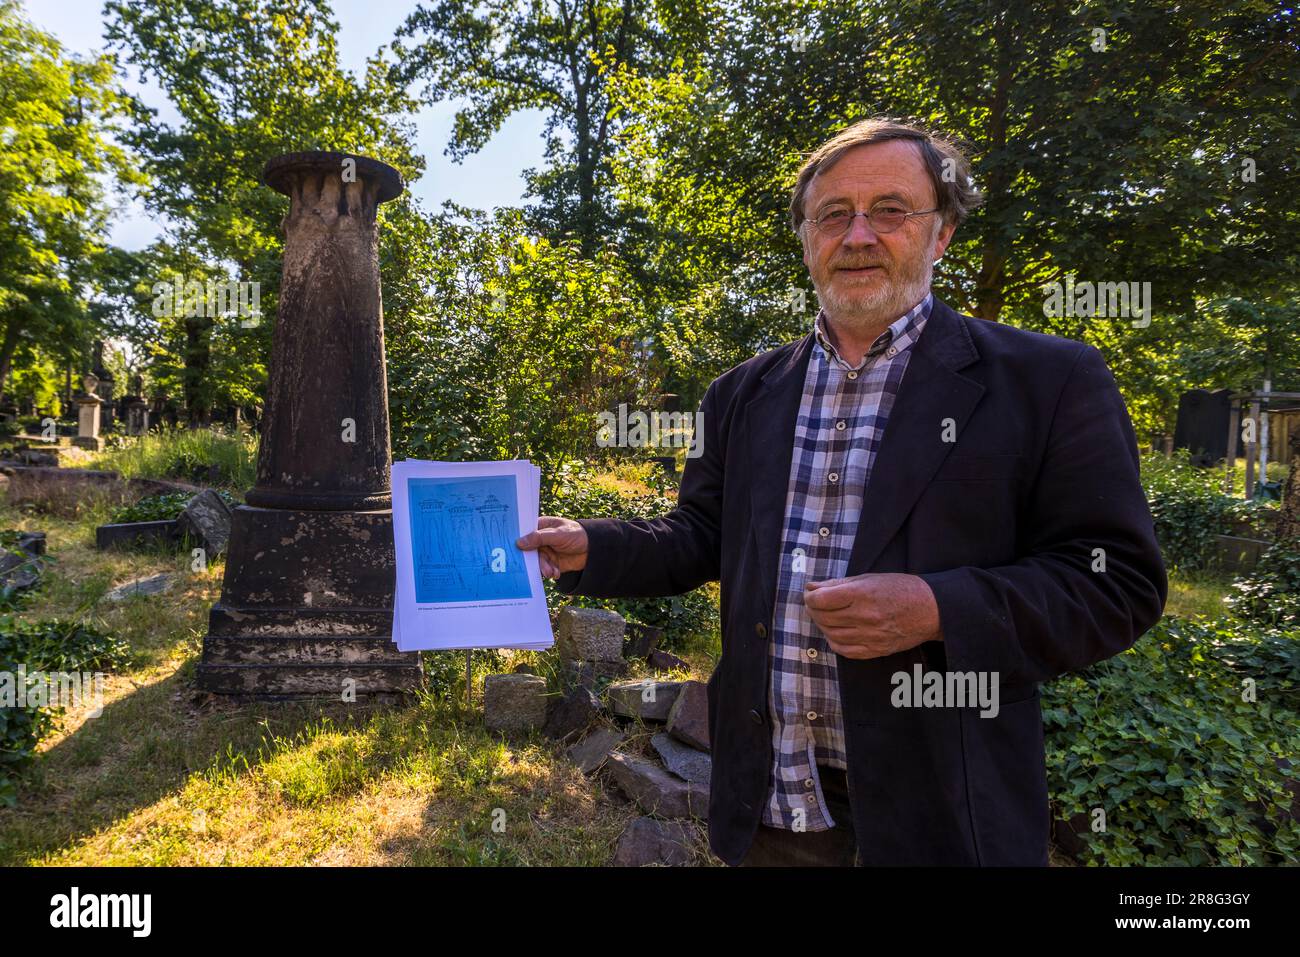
487	179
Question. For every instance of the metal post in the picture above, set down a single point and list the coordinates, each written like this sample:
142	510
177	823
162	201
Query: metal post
469	682
1252	447
1234	417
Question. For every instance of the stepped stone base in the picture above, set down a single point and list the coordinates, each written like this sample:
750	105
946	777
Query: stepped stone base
307	609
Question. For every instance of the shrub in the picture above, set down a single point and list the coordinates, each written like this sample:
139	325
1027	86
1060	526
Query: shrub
1271	595
47	646
186	454
633	492
1189	510
163	507
1160	738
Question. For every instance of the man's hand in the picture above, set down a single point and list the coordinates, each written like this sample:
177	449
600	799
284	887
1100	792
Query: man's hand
870	616
561	545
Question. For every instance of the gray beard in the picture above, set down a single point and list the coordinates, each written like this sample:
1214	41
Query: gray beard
872	312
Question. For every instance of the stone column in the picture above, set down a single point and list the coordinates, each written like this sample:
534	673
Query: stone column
306	604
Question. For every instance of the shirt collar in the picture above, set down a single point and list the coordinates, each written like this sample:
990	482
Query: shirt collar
903	331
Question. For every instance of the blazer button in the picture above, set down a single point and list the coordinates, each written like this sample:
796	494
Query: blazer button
761	630
755	717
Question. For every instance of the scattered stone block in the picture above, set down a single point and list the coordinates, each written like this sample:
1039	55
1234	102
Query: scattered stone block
524	669
589	634
646	841
569	716
206	519
136	534
36	457
589	674
654	790
665	661
20	564
688	721
687	763
641	640
151	585
590	753
646	698
514	702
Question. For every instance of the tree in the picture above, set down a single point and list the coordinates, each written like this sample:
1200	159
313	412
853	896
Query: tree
60	119
550	56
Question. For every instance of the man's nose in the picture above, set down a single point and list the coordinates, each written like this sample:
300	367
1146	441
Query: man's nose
860	233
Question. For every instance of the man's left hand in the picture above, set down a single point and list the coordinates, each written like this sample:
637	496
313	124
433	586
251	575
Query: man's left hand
870	616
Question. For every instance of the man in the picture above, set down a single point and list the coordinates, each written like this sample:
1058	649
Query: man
905	491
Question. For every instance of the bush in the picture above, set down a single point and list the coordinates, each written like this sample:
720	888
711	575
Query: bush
1189	510
163	507
1271	596
1160	738
636	491
48	646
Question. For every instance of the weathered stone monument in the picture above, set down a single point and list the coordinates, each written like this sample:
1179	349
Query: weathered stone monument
88	408
306	607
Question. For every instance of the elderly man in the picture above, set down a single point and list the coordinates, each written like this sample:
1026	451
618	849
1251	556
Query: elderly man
916	518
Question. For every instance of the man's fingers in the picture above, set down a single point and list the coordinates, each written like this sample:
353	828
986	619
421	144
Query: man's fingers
827	597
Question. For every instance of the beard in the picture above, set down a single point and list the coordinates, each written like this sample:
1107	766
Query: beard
869	305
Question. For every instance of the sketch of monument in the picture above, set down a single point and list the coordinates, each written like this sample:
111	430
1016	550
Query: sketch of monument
463	533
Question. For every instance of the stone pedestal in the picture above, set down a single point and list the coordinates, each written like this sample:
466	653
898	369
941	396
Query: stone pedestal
88	412
306	604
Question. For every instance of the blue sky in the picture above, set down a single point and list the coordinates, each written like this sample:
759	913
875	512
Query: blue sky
489	178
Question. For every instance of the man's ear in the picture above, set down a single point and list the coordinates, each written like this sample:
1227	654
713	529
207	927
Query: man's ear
942	240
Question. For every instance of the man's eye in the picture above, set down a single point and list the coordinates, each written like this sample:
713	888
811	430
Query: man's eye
890	210
835	216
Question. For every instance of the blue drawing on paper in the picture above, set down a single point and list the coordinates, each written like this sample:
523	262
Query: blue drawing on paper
463	533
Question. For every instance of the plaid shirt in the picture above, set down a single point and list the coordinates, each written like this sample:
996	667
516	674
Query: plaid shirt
841	419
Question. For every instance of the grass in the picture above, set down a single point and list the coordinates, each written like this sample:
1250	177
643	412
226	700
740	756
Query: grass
1197	594
168	776
182	454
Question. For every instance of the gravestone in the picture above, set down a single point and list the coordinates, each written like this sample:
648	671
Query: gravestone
88	410
1202	426
306	607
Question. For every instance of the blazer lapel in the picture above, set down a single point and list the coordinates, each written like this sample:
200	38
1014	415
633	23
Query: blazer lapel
912	448
770	423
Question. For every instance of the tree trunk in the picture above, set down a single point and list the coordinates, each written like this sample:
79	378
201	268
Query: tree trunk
7	349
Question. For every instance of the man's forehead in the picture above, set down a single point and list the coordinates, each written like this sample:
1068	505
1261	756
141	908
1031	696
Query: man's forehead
891	168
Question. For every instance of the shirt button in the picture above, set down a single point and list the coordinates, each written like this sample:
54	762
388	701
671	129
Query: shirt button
812	715
853	375
808	783
891	352
823	531
811	798
812	652
841	425
761	630
834	477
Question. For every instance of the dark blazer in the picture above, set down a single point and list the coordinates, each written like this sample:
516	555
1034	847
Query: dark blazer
1004	523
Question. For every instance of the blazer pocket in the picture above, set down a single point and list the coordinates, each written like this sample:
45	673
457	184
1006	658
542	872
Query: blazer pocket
980	468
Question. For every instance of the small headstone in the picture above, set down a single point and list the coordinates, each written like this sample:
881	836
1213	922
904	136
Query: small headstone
21	565
152	585
207	521
589	634
665	661
685	762
514	702
36	457
646	698
524	669
646	841
654	790
641	640
571	715
590	753
688	721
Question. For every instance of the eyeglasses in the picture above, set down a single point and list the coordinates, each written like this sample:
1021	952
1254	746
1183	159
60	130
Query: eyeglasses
884	217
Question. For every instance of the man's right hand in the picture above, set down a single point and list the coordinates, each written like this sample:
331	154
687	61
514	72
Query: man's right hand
561	545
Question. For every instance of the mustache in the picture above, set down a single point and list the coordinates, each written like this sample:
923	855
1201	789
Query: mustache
858	265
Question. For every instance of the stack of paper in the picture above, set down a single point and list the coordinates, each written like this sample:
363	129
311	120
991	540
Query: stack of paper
461	580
